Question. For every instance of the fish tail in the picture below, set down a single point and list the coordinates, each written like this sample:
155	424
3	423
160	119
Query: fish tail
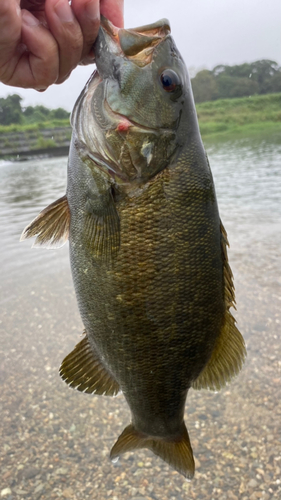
175	450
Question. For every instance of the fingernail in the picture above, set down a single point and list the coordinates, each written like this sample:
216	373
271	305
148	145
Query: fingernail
92	10
29	19
64	11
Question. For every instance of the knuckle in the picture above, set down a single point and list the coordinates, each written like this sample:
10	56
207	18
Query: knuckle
45	75
63	78
73	37
47	72
5	74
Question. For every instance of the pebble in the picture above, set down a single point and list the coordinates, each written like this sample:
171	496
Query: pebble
252	483
5	492
30	472
68	493
39	488
61	471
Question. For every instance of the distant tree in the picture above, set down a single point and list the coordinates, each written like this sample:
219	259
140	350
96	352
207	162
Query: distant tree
10	110
34	114
275	82
42	109
259	77
230	86
204	86
237	71
28	111
263	72
59	114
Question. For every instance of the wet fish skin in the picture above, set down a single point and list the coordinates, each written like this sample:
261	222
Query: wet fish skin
147	248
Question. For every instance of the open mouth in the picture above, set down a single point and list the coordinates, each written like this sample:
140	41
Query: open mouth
137	44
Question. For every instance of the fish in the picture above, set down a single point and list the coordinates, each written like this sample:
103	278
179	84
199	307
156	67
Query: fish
148	250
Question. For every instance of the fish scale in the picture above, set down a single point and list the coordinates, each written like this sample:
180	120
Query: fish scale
135	334
148	252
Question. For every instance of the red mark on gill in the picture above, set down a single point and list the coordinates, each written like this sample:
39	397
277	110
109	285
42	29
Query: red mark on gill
123	125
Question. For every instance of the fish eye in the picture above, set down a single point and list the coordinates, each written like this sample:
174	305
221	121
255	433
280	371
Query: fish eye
170	80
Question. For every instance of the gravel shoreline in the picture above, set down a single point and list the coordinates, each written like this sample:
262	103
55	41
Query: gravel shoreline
55	441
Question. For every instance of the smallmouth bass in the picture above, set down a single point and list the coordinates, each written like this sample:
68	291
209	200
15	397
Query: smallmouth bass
148	251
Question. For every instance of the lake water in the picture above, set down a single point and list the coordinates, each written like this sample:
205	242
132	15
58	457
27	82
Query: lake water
55	442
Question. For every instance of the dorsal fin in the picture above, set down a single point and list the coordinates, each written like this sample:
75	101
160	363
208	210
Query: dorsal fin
229	290
82	369
227	358
51	226
229	353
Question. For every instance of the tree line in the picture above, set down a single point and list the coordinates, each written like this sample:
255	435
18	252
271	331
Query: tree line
259	77
12	112
242	80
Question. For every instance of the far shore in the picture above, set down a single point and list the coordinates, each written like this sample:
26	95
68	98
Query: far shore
222	119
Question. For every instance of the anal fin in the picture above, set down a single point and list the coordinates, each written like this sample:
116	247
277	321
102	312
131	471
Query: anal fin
51	226
82	369
174	450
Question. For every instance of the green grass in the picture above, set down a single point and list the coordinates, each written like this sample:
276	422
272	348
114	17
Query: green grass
245	115
239	116
6	129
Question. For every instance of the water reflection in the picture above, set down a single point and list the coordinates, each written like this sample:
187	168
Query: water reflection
25	189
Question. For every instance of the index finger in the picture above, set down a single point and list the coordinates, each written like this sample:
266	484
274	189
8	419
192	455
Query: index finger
10	34
113	10
10	27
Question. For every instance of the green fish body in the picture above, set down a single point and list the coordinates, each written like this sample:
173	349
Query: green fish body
147	247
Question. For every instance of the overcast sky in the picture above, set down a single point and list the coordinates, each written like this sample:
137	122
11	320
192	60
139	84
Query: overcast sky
207	33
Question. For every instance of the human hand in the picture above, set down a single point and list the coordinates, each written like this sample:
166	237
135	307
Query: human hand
42	41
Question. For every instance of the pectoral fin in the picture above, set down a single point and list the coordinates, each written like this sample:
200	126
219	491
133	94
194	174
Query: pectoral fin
51	226
101	228
102	232
176	450
82	369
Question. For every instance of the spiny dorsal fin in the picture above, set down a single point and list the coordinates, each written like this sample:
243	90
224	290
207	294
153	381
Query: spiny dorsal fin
51	226
82	369
176	451
229	353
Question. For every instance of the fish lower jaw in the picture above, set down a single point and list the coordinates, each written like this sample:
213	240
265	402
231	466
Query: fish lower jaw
122	123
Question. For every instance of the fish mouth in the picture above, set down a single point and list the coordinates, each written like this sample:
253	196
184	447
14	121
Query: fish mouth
137	44
123	123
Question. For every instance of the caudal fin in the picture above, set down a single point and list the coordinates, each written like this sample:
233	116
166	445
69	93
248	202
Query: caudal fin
176	451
